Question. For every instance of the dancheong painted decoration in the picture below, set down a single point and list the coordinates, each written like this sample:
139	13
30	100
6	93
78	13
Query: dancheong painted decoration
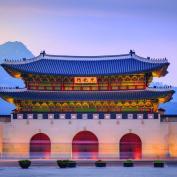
86	87
92	84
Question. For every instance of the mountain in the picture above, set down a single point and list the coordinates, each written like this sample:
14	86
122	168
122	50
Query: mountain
14	50
170	107
11	50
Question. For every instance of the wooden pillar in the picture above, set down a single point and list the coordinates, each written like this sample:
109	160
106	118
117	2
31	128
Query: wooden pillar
62	83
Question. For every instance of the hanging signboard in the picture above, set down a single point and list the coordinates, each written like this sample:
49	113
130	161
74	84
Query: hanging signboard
85	80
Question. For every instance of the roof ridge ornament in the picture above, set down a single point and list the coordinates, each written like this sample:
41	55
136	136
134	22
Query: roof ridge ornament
151	60
12	89
132	52
43	53
21	61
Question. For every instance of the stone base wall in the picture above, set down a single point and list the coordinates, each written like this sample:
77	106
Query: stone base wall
159	140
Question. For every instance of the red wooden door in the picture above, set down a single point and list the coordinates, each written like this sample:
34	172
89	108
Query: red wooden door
40	146
130	147
85	146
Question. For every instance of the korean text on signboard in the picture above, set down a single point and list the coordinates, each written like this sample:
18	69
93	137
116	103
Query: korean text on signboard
84	80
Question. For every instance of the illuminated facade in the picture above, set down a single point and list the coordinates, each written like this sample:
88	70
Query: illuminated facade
84	96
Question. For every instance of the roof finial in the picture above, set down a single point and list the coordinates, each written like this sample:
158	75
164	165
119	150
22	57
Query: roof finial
132	52
42	53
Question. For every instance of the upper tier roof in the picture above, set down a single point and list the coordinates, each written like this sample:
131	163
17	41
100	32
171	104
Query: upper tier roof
24	94
87	65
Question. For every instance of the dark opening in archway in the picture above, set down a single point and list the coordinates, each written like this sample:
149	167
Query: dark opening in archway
40	146
85	146
130	147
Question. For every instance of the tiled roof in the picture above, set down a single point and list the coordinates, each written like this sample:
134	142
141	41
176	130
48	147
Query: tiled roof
85	95
86	65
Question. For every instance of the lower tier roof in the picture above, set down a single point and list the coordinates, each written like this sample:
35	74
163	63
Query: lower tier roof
86	95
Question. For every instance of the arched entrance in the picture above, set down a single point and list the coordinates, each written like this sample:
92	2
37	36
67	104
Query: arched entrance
40	146
85	146
130	146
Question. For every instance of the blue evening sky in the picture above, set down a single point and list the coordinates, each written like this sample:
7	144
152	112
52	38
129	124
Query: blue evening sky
94	27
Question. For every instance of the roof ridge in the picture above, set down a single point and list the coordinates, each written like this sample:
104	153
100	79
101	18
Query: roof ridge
151	60
81	96
43	55
16	89
87	58
21	61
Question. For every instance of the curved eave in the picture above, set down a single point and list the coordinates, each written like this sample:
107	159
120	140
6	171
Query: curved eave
157	71
166	98
161	71
87	95
13	72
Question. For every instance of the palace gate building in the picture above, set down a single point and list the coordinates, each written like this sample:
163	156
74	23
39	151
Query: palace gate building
87	107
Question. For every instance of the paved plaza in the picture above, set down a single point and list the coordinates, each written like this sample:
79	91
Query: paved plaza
88	172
